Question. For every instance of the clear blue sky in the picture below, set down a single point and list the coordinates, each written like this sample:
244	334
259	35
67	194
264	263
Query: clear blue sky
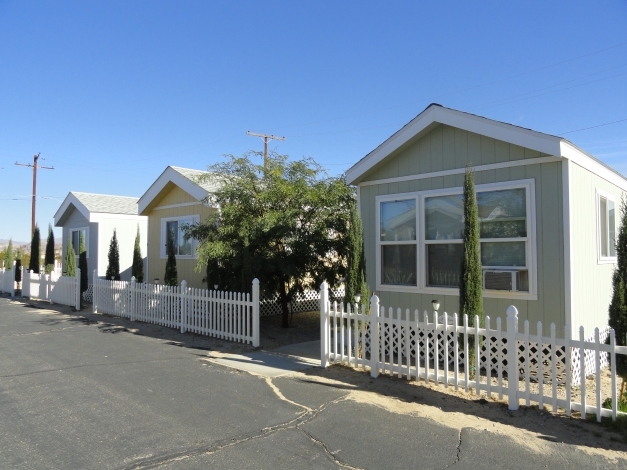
112	92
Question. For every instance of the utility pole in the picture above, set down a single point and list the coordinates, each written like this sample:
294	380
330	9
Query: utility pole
266	138
34	166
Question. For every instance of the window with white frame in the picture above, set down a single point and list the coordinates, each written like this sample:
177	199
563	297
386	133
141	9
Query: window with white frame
420	236
606	224
174	228
75	238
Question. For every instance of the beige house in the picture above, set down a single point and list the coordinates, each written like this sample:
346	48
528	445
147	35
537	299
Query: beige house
548	215
173	200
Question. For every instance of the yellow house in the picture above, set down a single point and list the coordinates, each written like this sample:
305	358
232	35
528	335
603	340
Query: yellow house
173	200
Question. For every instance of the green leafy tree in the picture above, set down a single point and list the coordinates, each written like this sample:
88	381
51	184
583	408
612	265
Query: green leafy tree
138	262
113	268
82	262
618	306
171	276
355	282
285	223
471	282
35	251
70	260
49	255
9	255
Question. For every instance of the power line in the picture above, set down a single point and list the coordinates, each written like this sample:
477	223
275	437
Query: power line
592	127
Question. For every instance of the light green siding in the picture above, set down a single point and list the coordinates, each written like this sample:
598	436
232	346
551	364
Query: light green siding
592	281
447	148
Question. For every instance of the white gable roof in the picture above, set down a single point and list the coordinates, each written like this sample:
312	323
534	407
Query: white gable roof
184	178
90	205
436	114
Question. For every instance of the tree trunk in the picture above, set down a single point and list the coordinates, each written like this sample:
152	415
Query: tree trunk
285	312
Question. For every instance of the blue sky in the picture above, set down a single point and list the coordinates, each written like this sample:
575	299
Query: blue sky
110	93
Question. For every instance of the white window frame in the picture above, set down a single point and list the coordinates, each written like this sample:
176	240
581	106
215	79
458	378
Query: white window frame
79	229
601	258
163	252
421	286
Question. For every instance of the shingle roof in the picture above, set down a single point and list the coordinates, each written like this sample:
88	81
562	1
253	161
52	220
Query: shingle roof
193	175
107	203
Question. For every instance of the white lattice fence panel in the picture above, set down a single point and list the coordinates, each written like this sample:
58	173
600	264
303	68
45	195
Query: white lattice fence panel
589	357
305	302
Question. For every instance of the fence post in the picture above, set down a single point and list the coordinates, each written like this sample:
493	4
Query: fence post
324	324
183	305
256	312
512	358
94	293
131	300
78	290
374	336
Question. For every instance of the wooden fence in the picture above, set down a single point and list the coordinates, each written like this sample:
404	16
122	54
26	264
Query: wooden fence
437	348
226	315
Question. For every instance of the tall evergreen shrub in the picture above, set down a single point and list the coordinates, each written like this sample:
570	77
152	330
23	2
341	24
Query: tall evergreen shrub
35	251
82	262
113	268
49	255
18	265
70	260
618	306
355	282
471	282
138	262
9	256
171	277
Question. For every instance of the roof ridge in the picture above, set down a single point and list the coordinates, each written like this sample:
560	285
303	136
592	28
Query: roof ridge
100	194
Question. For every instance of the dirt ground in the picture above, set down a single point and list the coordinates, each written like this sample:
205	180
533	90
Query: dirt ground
530	426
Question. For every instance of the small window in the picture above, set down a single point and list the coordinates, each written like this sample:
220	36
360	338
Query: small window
606	209
174	228
75	238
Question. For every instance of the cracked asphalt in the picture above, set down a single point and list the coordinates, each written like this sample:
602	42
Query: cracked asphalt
76	394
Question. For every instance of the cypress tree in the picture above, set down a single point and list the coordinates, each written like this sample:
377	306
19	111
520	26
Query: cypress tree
49	255
35	251
471	282
82	261
618	306
113	268
138	262
70	260
171	277
9	256
355	282
18	265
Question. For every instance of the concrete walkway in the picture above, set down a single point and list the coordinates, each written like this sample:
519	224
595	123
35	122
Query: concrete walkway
275	363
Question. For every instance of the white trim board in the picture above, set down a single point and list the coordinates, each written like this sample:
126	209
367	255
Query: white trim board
173	206
461	171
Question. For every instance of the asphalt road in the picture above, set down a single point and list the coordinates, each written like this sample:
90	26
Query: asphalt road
75	393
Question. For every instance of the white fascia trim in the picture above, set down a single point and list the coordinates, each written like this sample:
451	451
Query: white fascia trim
461	171
575	155
70	199
97	216
543	143
173	206
170	175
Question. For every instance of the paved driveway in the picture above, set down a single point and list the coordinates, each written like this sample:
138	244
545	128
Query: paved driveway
78	393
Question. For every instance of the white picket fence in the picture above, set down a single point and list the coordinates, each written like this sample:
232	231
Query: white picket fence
64	290
437	349
226	315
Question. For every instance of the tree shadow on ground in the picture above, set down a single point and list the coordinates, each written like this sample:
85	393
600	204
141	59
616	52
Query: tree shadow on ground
557	428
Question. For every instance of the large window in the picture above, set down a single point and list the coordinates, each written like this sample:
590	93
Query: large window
174	228
606	227
420	236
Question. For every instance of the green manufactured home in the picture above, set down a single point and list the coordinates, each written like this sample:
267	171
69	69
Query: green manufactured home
548	216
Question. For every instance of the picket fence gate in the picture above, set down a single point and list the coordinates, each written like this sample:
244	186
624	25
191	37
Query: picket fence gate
231	316
437	349
64	290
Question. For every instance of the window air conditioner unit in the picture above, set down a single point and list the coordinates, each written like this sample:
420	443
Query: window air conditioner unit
501	280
